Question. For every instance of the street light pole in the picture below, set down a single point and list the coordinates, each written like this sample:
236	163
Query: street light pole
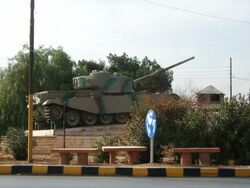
30	89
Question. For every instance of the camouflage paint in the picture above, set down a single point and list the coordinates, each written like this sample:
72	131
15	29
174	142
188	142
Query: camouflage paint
83	83
125	84
109	83
100	103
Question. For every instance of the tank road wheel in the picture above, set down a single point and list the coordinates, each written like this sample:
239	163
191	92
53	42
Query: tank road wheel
53	112
121	117
106	119
72	118
89	118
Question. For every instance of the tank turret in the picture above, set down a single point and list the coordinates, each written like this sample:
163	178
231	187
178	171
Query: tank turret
105	82
98	98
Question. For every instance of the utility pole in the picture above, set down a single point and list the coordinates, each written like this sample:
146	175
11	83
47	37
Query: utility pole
231	75
30	89
249	96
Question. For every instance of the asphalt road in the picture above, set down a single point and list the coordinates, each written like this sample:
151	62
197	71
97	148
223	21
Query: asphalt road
119	182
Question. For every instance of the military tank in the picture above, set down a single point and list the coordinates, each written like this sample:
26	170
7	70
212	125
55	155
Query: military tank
98	98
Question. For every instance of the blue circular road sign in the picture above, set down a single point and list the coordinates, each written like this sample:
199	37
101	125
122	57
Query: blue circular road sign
150	123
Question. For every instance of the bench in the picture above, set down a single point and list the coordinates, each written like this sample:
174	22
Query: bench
132	151
82	154
204	157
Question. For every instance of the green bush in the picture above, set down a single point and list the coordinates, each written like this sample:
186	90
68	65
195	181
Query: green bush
226	126
231	131
181	123
106	140
17	142
167	112
194	129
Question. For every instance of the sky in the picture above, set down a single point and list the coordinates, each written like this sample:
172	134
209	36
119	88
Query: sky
168	31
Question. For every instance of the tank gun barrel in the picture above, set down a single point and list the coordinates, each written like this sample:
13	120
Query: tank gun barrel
162	70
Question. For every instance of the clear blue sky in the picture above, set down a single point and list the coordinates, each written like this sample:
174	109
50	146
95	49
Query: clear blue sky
166	30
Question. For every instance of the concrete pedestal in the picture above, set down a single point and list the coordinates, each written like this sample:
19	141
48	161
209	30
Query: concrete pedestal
64	158
112	157
204	159
186	159
133	157
82	158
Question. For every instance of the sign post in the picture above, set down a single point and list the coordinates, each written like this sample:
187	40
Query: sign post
66	97
150	126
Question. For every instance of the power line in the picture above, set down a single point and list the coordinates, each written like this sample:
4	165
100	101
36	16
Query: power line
202	71
197	13
245	79
204	68
201	77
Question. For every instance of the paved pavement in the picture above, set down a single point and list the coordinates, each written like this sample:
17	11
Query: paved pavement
121	182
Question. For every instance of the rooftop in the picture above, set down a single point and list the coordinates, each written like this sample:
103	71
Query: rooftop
210	90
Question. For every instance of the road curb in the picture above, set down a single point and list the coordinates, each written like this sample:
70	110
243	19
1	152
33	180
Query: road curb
124	171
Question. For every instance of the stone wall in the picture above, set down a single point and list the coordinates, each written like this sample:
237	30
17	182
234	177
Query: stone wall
75	138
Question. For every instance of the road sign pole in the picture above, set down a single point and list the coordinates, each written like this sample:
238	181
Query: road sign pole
151	125
151	150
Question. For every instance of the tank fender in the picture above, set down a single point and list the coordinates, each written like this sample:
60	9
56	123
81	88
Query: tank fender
53	101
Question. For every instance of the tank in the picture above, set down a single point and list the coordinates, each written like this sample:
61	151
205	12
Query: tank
98	98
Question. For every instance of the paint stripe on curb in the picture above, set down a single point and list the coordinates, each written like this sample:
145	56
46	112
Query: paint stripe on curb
5	169
39	169
209	172
175	172
140	172
193	172
21	169
123	171
72	170
157	172
55	170
242	172
106	171
90	170
226	172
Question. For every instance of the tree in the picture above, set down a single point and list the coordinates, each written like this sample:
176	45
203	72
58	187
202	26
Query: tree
132	67
124	64
84	67
13	89
52	70
158	83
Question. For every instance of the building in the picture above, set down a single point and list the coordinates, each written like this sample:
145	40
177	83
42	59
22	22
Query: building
210	96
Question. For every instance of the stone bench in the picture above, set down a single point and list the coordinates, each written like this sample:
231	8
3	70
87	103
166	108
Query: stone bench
133	152
204	157
82	154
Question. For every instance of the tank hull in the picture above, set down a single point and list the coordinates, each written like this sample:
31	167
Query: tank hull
86	107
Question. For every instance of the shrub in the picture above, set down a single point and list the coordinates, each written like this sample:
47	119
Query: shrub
18	143
194	129
167	112
106	140
231	130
